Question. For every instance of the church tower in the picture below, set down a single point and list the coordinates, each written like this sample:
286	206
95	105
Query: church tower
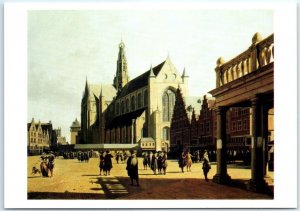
121	77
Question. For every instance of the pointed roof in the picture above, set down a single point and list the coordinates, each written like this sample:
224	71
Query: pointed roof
179	113
75	124
184	73
106	90
140	81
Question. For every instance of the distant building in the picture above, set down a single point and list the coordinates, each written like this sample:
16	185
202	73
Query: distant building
40	136
61	140
75	129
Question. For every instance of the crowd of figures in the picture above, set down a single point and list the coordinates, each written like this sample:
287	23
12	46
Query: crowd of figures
156	161
241	154
82	156
46	165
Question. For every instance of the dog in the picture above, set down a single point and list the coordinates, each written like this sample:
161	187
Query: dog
35	171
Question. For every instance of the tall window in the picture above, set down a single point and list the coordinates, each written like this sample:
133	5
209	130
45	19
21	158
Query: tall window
233	126
145	98
168	102
127	105
139	100
133	103
239	125
166	133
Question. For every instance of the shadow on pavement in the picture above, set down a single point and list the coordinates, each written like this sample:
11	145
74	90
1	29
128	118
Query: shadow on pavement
183	188
112	187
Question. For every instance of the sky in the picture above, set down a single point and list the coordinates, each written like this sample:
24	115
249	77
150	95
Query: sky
67	46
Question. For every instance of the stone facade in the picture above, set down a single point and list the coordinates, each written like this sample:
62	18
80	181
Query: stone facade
136	111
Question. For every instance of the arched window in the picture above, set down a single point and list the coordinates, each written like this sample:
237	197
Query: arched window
145	98
168	102
139	100
166	133
127	105
133	103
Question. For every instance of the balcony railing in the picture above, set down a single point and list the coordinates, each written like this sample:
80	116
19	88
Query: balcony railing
259	54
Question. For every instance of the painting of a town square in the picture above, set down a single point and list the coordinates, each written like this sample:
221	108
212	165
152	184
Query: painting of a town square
150	103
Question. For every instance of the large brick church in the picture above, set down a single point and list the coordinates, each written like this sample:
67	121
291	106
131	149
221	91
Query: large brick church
137	111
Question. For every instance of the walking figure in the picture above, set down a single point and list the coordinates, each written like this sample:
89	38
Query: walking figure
164	163
182	161
132	168
101	164
189	161
154	162
117	157
50	164
43	166
159	163
107	163
206	165
145	160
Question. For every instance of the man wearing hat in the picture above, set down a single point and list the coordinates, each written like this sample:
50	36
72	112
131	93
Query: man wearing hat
132	168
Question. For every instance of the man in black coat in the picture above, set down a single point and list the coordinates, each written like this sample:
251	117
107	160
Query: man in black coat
132	168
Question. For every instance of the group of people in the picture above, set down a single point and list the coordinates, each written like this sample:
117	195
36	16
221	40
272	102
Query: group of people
47	164
105	164
186	159
157	161
82	156
120	157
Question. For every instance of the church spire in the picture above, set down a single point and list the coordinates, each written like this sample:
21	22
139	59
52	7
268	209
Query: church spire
101	92
86	90
121	78
151	73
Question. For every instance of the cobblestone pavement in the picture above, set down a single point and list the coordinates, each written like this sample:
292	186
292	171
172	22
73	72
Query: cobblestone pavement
75	180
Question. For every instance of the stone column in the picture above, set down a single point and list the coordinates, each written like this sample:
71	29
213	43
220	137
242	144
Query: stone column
221	176
257	182
132	131
264	129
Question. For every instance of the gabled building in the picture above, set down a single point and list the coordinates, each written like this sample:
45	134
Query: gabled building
180	126
39	136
